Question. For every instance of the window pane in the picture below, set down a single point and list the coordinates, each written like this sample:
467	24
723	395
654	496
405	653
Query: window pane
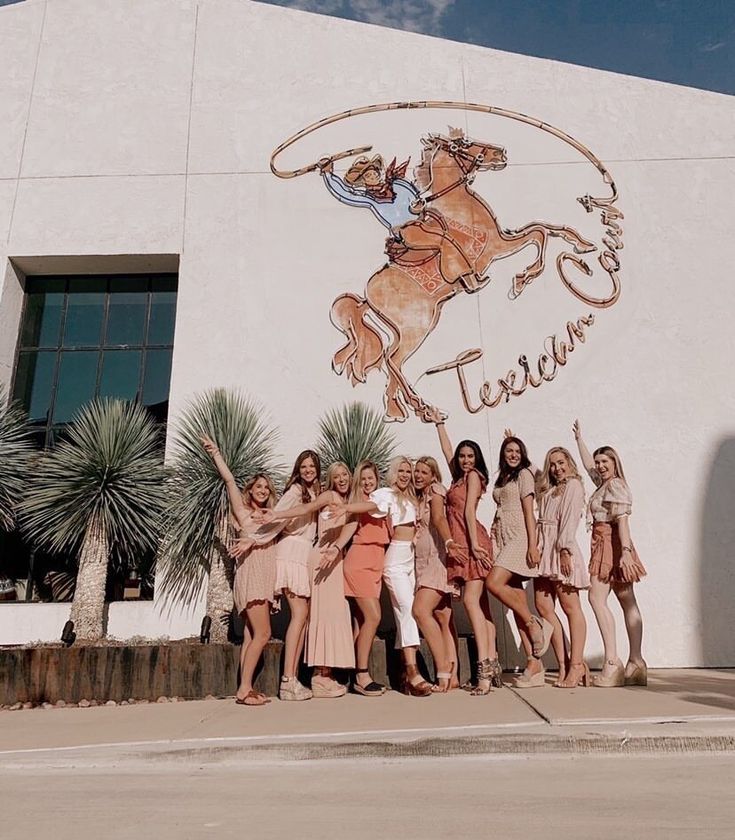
84	313
156	381
163	317
120	374
76	384
127	309
42	320
34	380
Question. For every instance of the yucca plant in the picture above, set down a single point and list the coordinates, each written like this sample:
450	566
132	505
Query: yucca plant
102	487
353	433
195	547
16	452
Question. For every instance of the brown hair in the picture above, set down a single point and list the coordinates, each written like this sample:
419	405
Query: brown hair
296	478
614	457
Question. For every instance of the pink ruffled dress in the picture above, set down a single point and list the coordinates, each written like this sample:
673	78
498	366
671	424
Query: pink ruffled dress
560	510
431	559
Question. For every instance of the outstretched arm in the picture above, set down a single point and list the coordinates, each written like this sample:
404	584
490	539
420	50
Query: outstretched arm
474	491
322	500
233	491
584	453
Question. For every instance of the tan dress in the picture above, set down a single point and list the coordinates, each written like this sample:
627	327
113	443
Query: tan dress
431	560
608	503
510	526
329	634
255	575
463	566
293	548
560	510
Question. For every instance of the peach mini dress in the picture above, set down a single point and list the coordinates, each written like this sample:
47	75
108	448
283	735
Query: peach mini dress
463	566
329	632
293	548
431	559
510	526
365	558
255	575
560	511
608	503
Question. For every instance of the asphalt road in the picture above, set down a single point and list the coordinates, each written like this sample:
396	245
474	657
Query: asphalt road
595	798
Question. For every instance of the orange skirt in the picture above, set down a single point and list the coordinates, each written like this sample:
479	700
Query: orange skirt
606	553
363	570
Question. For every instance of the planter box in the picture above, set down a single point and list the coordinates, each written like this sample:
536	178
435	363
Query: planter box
190	671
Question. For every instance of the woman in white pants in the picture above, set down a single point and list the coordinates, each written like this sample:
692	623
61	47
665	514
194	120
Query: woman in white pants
397	501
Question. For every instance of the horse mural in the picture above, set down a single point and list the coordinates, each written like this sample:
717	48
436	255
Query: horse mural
443	239
406	296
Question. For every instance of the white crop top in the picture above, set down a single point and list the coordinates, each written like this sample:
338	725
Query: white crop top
401	512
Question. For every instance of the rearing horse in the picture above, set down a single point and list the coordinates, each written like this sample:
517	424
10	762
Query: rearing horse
405	297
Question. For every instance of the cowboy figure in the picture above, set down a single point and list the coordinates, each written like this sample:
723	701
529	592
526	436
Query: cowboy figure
416	235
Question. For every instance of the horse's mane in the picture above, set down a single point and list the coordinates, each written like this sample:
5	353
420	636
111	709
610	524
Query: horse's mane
422	172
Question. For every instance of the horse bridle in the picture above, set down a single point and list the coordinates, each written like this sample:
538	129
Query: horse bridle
462	157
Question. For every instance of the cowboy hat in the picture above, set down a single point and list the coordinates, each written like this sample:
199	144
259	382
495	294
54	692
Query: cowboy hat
360	166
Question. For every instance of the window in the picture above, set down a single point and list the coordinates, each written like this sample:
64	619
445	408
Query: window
83	337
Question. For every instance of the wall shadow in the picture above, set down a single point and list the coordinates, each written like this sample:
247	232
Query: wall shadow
716	557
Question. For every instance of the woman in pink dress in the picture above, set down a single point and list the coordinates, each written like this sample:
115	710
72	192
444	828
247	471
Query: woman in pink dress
293	551
363	564
329	631
432	604
471	559
614	564
562	571
255	574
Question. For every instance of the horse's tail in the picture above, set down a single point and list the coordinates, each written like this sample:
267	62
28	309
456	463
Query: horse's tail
364	349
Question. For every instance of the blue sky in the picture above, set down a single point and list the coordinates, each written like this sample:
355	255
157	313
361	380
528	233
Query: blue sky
688	42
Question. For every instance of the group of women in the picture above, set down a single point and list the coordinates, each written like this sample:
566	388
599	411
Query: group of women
328	549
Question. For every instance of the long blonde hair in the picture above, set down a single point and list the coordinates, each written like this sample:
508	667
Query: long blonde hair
331	470
613	455
403	497
545	481
356	495
432	464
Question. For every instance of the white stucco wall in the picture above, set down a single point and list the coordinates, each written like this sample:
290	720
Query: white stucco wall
147	128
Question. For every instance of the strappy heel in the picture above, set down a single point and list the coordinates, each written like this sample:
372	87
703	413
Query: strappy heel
496	679
418	689
442	676
572	679
484	674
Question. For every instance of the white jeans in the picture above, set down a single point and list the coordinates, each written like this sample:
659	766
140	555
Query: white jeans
399	575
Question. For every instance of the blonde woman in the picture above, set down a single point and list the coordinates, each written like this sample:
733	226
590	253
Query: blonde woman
329	631
255	575
562	571
398	502
363	566
614	564
432	603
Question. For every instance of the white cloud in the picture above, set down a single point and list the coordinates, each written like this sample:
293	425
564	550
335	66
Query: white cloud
412	15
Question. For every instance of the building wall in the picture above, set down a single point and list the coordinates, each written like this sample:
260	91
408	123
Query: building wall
148	129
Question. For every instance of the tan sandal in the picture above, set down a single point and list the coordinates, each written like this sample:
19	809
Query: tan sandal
572	679
252	698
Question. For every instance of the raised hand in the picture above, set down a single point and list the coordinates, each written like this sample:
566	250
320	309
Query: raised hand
209	445
577	429
508	433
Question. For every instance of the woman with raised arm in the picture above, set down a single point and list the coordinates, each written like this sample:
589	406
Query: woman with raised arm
329	631
432	603
614	564
472	556
363	573
562	571
517	557
398	502
255	574
293	550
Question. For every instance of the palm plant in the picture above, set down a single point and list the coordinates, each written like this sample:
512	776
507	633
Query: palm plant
101	488
355	433
198	511
15	458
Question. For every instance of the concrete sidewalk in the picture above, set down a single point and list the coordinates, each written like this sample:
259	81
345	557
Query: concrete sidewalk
680	710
